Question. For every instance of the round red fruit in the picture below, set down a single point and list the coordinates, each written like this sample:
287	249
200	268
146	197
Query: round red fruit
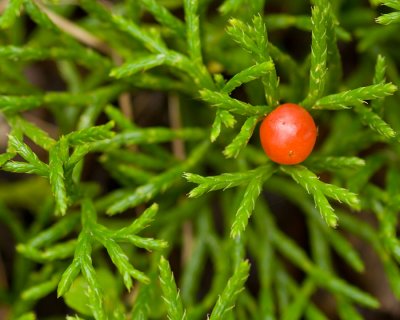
288	134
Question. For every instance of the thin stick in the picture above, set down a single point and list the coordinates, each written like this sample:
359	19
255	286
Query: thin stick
178	148
75	31
124	98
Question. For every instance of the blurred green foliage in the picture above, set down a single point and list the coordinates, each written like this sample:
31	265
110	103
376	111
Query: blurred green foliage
133	183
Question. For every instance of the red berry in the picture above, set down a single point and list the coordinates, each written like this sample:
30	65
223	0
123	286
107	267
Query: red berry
288	134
